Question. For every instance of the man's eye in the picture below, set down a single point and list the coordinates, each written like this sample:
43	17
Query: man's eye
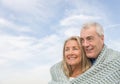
81	40
89	38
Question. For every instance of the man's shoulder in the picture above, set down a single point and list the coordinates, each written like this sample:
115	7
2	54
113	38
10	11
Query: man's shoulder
112	54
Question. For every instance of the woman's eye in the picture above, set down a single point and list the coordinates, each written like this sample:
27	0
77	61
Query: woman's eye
66	49
75	48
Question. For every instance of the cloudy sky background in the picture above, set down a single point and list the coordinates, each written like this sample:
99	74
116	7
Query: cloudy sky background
32	33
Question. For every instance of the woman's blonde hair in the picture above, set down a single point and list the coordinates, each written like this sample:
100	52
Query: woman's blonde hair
85	62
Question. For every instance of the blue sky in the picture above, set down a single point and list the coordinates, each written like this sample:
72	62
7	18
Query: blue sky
32	33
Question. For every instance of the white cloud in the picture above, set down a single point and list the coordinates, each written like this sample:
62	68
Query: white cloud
3	62
16	47
50	47
25	48
22	48
37	75
4	23
87	7
31	10
114	44
19	5
72	32
76	19
113	26
82	11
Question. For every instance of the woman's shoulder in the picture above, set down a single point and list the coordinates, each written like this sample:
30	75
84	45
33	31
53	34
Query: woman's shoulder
56	66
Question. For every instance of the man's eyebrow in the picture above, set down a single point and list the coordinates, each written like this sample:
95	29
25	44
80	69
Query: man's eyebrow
86	37
89	36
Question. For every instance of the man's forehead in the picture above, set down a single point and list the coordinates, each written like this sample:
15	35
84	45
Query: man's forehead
88	32
86	36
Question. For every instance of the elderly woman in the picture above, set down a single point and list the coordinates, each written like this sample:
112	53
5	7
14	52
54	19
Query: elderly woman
74	62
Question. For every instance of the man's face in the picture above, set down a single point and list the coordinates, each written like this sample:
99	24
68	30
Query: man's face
91	42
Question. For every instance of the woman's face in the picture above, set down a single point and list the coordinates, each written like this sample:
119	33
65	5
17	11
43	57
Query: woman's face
72	53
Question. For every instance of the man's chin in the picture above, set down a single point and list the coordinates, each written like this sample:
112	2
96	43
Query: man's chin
90	55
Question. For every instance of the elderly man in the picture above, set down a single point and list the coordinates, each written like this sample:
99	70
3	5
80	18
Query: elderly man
106	62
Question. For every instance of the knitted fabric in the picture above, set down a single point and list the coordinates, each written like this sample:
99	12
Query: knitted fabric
106	70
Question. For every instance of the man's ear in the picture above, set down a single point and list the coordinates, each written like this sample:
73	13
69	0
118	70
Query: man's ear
102	37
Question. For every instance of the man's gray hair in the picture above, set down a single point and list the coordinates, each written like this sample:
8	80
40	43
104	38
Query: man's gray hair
99	28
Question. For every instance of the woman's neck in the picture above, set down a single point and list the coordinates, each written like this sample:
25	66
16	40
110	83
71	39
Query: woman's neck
76	71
